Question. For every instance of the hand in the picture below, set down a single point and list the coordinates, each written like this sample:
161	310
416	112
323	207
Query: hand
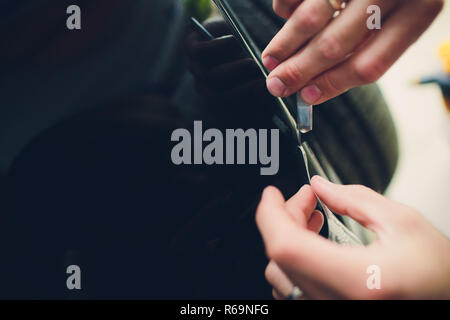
324	56
412	256
301	209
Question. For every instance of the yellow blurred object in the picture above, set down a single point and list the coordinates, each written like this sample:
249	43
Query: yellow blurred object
447	103
444	53
442	79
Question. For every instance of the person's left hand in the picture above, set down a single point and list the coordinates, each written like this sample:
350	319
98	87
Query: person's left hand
301	209
410	259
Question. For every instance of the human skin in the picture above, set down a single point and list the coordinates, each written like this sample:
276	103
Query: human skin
322	56
413	256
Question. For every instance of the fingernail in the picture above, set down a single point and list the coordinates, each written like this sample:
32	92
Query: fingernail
267	191
320	180
320	184
276	87
270	62
311	94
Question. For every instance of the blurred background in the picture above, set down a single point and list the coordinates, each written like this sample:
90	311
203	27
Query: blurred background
422	179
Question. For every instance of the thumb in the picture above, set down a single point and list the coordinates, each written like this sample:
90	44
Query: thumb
358	202
316	221
270	209
298	251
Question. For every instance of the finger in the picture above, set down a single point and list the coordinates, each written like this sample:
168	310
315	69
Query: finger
284	238
284	8
283	286
271	206
360	203
329	48
278	280
316	221
306	21
301	205
306	258
277	295
400	30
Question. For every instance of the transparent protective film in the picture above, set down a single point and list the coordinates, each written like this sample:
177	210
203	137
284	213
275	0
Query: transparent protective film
338	232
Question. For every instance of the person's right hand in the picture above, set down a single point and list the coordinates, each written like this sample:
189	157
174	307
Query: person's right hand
413	257
322	57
